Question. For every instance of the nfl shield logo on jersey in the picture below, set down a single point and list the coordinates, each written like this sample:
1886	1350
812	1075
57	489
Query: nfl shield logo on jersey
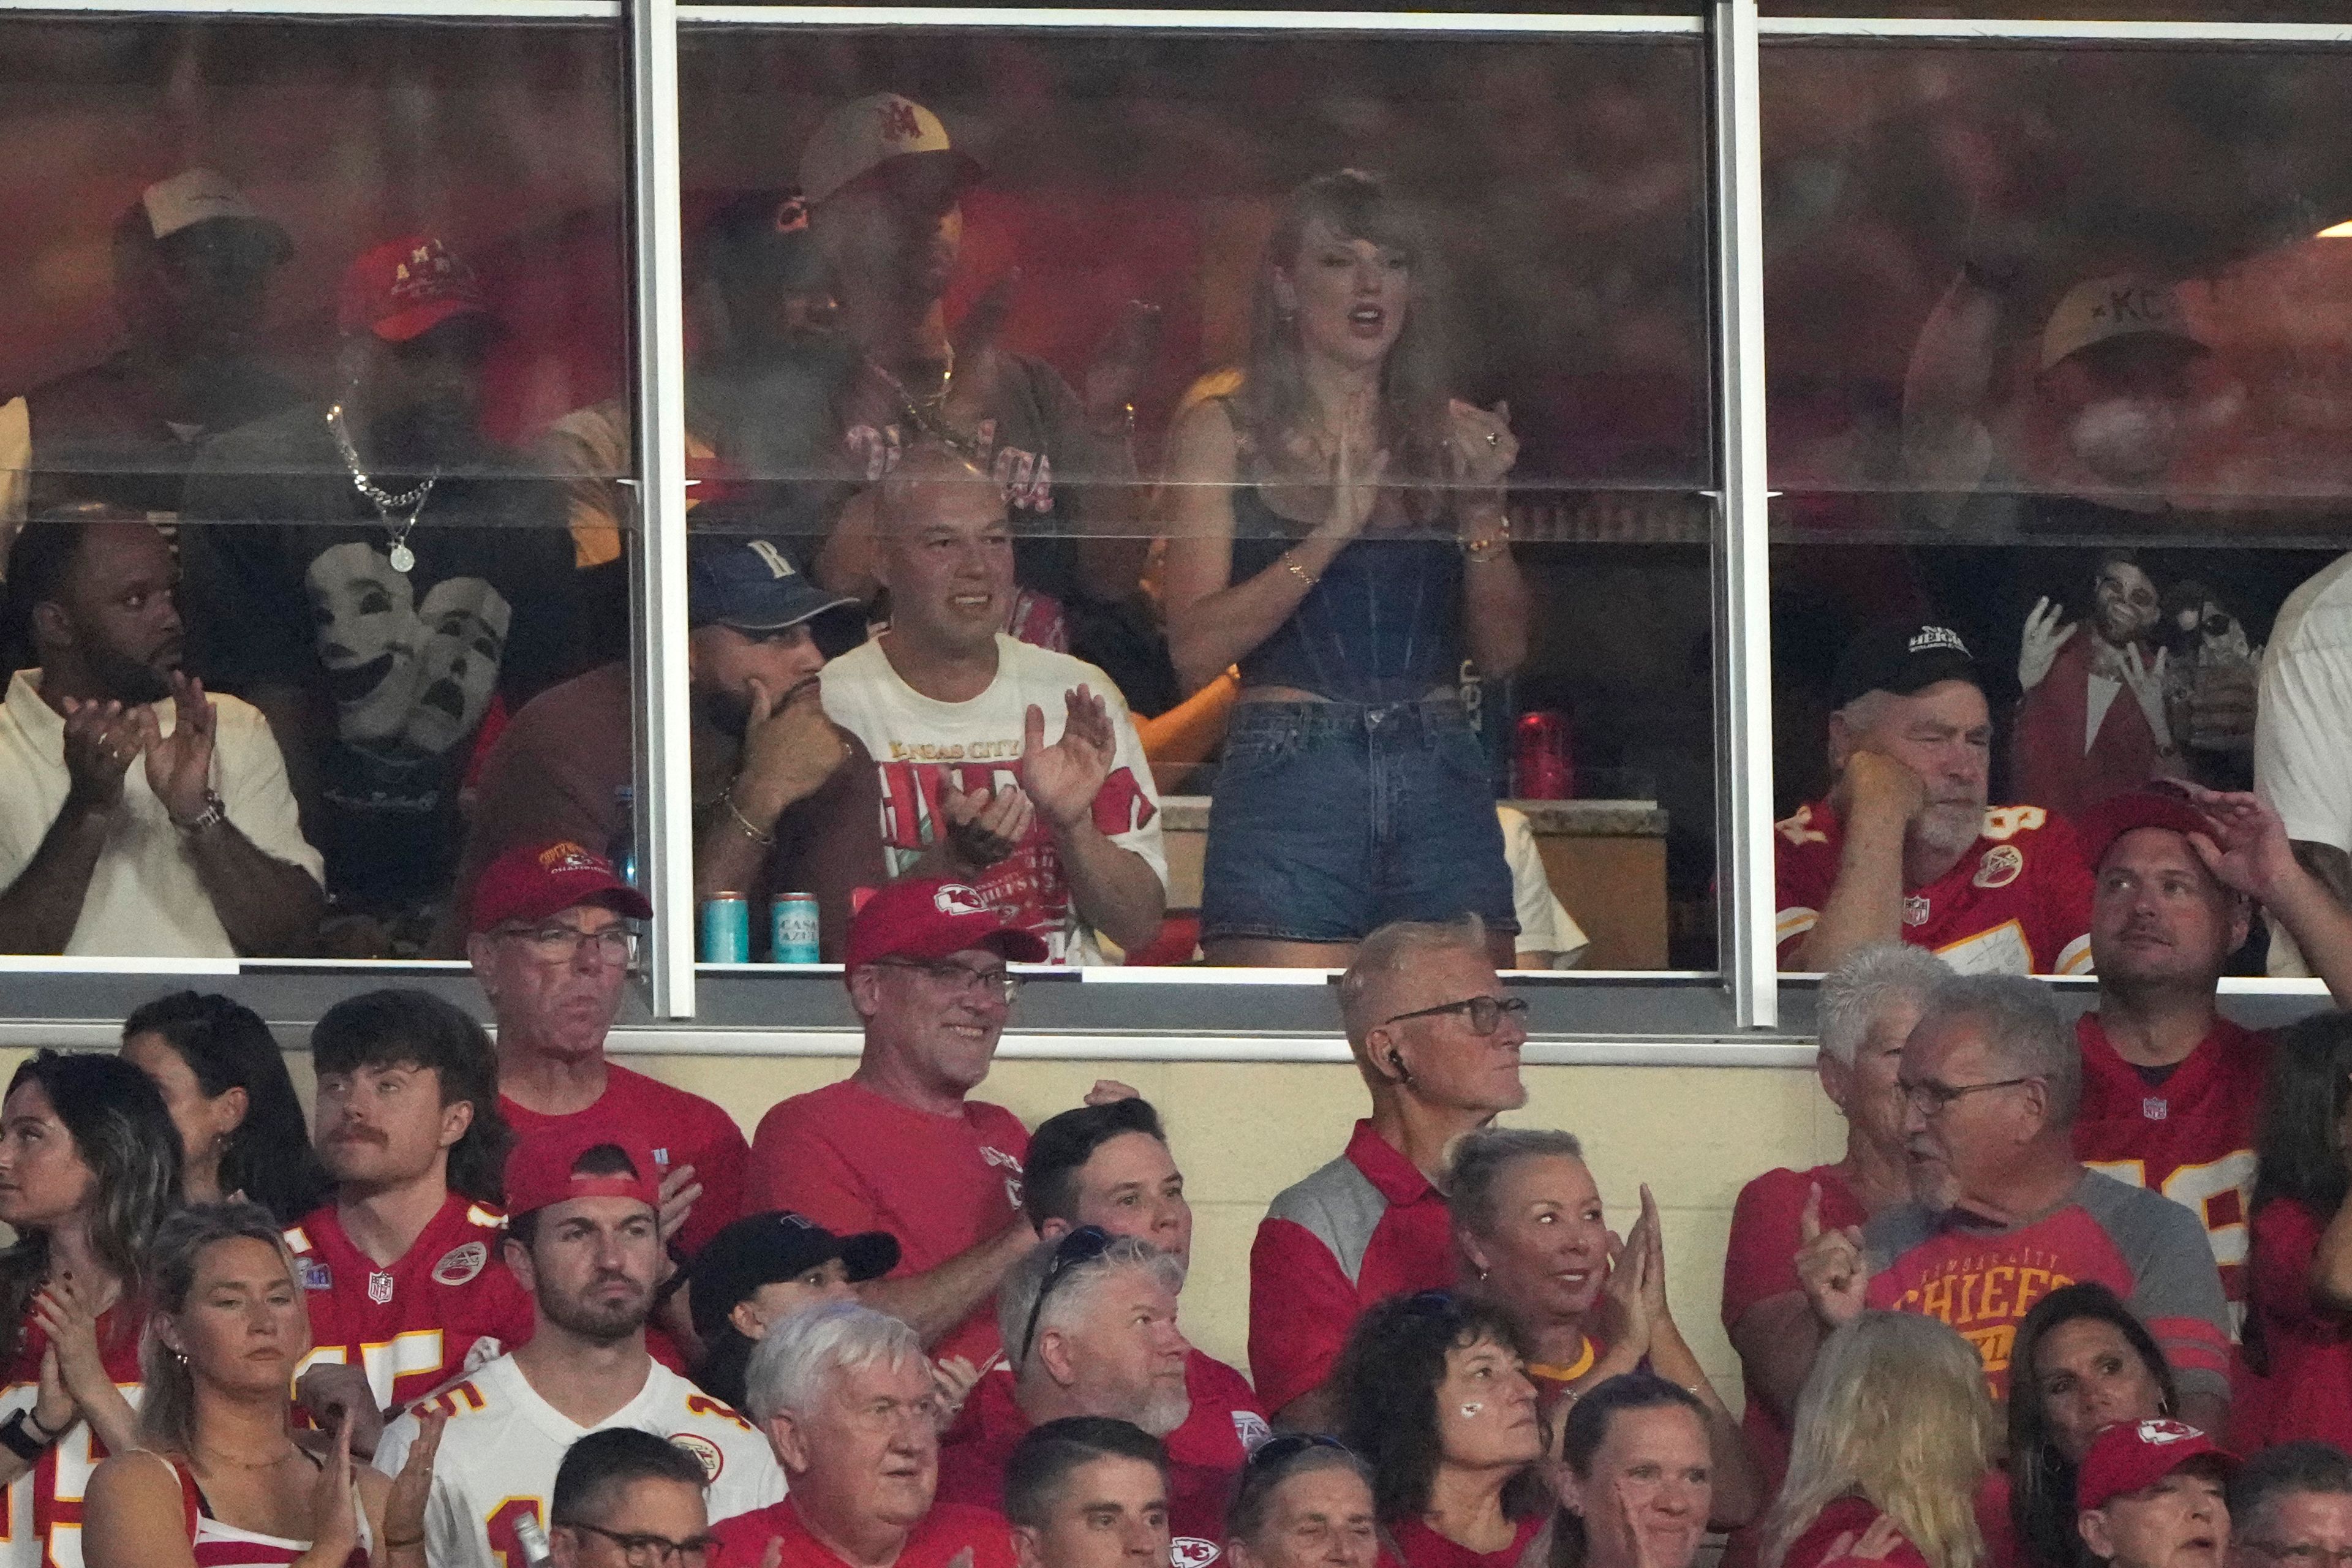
379	1289
2154	1110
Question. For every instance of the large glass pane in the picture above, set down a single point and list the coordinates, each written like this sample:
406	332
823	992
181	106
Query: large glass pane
2056	349
1047	256
296	308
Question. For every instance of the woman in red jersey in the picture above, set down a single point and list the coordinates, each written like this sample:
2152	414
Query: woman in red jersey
2301	1280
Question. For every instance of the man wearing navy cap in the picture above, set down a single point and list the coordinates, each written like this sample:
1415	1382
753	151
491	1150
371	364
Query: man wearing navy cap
776	811
1904	847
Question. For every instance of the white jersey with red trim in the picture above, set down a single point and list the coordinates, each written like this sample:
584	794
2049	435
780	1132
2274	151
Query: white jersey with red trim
41	1511
2018	901
498	1455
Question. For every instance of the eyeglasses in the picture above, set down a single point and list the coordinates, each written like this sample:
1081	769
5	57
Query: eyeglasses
641	1551
563	944
1932	1099
2299	1553
1083	1245
1485	1013
961	979
1291	1444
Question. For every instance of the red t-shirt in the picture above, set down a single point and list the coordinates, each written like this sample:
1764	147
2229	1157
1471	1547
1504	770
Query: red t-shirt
949	1529
972	1464
1761	1263
62	1475
681	1128
2191	1138
447	1304
2017	902
1413	1544
1227	1423
851	1161
1846	1515
2308	1393
1366	1226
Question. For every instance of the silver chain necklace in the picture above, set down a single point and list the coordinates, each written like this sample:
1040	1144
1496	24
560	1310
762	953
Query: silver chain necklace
403	560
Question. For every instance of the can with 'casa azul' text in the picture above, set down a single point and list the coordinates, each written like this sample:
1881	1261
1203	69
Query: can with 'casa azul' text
791	927
726	928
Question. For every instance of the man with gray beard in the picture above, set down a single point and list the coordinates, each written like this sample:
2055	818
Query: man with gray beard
1089	1328
1905	849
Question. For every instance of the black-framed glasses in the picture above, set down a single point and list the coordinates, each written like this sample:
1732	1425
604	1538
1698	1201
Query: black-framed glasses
1932	1099
960	978
1485	1013
1083	1245
2298	1553
639	1550
1291	1444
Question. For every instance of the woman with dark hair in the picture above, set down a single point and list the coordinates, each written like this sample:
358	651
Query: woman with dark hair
242	1131
2300	1282
1433	1393
90	1165
2081	1361
220	1479
1634	1477
1337	529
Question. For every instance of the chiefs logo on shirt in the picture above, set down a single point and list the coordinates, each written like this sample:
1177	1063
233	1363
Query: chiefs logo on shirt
706	1453
1192	1552
1999	866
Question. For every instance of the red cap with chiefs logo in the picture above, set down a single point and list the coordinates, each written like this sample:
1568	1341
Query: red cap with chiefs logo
2100	826
928	918
404	290
2132	1456
542	1170
533	881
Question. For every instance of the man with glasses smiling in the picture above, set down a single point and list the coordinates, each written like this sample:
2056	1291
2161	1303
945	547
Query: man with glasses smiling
1437	1043
899	1146
552	946
2002	1213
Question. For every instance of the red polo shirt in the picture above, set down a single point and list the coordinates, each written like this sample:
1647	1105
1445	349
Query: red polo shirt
1364	1228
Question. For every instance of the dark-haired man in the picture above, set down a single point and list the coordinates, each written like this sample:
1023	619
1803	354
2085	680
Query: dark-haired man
402	1270
1086	1491
585	1241
623	1496
197	851
2291	1507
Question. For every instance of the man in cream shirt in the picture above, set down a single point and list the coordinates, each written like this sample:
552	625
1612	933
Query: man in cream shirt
138	814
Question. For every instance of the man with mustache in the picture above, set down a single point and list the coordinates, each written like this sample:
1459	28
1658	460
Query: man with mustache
785	801
1904	848
193	851
585	1241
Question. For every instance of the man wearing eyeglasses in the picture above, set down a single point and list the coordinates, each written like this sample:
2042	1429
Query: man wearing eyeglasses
626	1499
1437	1042
2003	1211
899	1145
552	946
2291	1507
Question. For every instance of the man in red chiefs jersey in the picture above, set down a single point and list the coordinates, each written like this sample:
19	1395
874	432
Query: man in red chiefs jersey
1904	848
400	1270
552	945
899	1145
1089	1327
1437	1043
2001	1213
2171	1089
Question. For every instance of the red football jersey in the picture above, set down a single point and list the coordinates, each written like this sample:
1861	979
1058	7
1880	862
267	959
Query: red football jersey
2191	1138
2017	902
448	1304
49	1495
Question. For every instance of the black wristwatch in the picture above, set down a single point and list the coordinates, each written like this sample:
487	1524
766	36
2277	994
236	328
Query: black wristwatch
16	1437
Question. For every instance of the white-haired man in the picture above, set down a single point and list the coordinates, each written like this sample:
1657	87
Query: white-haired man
1437	1042
849	1406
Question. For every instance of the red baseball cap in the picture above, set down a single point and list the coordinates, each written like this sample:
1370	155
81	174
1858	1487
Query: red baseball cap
533	881
929	918
2133	1454
2103	824
540	1170
404	290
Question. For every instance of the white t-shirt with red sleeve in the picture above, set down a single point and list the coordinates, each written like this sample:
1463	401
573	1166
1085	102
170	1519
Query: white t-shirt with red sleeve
852	1161
923	747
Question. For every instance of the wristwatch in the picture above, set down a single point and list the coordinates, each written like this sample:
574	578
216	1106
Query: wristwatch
17	1435
213	816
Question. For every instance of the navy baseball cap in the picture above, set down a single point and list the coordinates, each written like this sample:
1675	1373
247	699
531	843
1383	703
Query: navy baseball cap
752	585
1905	657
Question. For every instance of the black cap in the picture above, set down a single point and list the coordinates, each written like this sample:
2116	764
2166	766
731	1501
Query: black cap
762	234
1903	657
765	1248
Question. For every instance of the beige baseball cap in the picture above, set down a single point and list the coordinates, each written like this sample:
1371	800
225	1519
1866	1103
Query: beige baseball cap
202	195
861	136
2104	308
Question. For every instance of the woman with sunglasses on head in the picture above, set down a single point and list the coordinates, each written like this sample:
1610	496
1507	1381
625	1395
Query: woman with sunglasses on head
1529	1222
90	1165
2081	1362
220	1479
1635	1476
1337	529
1303	1500
1433	1393
242	1131
2300	1282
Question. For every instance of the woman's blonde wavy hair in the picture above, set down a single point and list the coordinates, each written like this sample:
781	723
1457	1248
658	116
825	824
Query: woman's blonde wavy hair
1895	1412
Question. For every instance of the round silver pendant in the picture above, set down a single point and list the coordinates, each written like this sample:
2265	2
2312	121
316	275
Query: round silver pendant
404	558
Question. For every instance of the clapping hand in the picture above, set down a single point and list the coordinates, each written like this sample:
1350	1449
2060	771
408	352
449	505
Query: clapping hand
984	825
404	1505
100	740
1064	778
180	766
